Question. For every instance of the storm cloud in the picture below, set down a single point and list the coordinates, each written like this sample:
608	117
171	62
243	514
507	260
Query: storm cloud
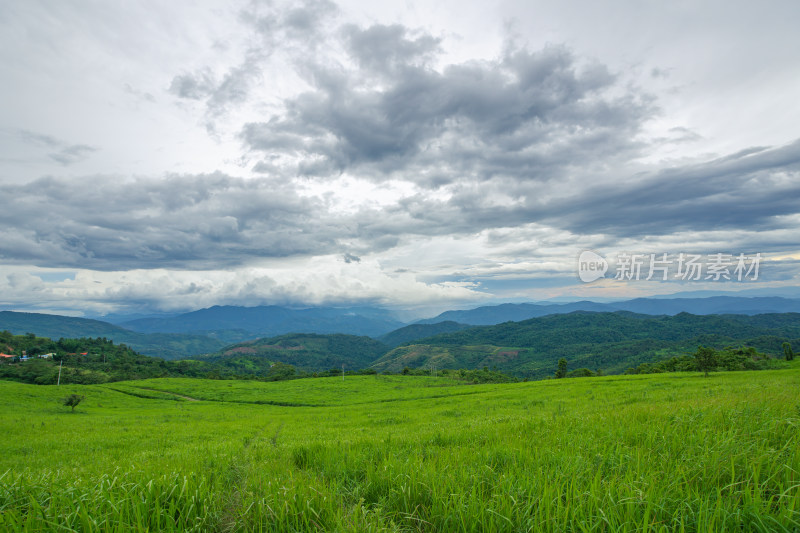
195	221
527	115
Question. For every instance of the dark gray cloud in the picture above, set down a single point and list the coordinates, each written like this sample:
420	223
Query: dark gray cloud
756	189
219	95
235	85
194	86
383	49
304	20
190	221
526	115
753	197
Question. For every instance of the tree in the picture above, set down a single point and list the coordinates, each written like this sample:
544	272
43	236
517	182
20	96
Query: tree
706	359
580	373
787	351
72	401
562	368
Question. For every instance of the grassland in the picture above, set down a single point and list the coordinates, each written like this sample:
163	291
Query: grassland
318	392
663	452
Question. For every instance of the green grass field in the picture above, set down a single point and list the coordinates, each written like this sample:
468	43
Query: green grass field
662	452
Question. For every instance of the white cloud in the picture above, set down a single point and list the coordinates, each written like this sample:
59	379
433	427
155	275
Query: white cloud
322	280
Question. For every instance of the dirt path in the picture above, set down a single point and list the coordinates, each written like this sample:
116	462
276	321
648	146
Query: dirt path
171	393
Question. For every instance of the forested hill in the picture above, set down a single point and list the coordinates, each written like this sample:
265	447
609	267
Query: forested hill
164	345
306	351
413	332
45	361
610	342
598	328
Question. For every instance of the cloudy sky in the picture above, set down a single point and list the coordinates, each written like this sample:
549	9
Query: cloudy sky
167	156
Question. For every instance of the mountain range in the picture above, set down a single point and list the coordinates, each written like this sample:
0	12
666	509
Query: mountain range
611	342
607	341
713	305
210	330
263	321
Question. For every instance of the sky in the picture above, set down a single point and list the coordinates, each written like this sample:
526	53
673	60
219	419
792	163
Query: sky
170	156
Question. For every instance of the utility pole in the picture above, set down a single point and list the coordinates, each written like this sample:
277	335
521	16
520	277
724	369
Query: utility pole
59	373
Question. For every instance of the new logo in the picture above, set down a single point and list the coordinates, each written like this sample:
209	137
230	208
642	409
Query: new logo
591	266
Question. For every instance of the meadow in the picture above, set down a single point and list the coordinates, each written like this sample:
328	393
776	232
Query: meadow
659	452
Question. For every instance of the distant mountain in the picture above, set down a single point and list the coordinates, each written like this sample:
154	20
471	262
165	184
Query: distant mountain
118	318
413	332
56	326
310	352
610	342
262	321
498	314
710	306
166	346
782	292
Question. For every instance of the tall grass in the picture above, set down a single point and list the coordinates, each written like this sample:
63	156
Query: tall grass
648	453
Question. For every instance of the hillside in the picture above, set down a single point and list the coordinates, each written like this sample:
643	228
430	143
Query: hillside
497	314
611	342
164	345
310	352
99	360
263	321
85	361
413	332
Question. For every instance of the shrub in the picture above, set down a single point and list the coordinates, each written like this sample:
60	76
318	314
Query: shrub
72	401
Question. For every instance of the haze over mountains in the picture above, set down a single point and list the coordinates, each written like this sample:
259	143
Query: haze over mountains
271	320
